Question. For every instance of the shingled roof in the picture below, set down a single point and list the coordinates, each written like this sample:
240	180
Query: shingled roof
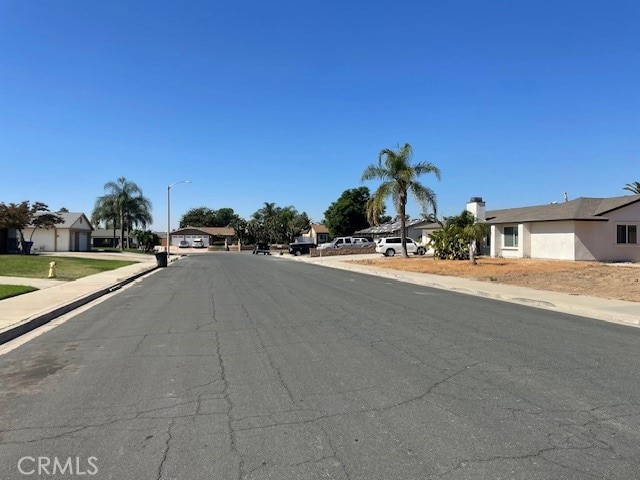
68	218
319	228
393	227
582	208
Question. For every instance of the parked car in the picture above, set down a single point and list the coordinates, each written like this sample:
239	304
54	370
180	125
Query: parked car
361	242
198	243
337	243
298	248
261	247
183	244
391	245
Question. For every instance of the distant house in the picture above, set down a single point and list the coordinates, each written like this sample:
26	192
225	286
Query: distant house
317	233
208	235
599	229
105	238
72	235
417	229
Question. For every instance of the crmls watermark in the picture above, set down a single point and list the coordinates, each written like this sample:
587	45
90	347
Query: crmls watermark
58	466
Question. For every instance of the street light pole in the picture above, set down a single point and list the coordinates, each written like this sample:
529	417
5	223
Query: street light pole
169	214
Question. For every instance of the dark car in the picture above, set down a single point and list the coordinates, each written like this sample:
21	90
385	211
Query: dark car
261	247
298	248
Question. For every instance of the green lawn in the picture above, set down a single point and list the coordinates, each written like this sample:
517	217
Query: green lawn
7	291
67	268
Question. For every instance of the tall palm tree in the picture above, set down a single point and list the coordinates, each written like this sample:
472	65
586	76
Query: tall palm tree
633	187
399	178
125	200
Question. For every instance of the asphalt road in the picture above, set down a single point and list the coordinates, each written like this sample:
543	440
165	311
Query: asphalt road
227	366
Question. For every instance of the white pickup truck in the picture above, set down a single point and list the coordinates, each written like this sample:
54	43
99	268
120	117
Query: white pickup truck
340	242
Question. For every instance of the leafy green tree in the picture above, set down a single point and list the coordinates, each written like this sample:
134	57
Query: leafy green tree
146	239
239	226
198	217
290	223
22	215
124	200
300	222
276	224
633	187
223	217
254	231
399	179
265	225
348	214
207	217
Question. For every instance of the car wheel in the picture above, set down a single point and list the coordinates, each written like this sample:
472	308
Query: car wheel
298	253
421	251
390	252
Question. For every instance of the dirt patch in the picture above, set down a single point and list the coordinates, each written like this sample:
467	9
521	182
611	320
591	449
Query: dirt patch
620	281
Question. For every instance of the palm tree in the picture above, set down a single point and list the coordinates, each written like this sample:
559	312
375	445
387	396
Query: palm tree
399	178
474	233
266	218
633	187
105	211
124	201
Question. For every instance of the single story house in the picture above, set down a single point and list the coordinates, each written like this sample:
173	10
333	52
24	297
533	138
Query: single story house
418	229
72	235
317	233
208	235
105	238
596	229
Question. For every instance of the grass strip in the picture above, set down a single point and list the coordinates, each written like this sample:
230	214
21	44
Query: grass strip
67	268
7	291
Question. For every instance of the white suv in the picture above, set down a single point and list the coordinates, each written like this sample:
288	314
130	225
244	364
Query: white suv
391	245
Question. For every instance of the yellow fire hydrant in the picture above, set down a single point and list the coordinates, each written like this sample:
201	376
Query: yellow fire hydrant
52	270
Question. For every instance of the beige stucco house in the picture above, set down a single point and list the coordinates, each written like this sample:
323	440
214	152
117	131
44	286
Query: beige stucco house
72	235
208	235
317	233
599	229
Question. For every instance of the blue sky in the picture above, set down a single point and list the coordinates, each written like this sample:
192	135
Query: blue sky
289	101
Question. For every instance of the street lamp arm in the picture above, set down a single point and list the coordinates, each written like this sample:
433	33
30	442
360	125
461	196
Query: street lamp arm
179	181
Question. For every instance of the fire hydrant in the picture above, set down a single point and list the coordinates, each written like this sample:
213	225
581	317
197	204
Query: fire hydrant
52	270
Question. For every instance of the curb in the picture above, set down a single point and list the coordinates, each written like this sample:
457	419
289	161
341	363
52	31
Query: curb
38	320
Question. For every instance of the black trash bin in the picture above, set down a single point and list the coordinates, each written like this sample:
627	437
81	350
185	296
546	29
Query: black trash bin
161	258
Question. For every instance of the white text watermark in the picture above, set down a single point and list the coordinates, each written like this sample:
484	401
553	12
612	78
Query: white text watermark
59	466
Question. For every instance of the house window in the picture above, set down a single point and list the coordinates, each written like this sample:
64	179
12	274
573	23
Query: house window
510	237
627	234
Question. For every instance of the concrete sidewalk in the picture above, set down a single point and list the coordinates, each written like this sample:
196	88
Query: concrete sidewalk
21	314
615	311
